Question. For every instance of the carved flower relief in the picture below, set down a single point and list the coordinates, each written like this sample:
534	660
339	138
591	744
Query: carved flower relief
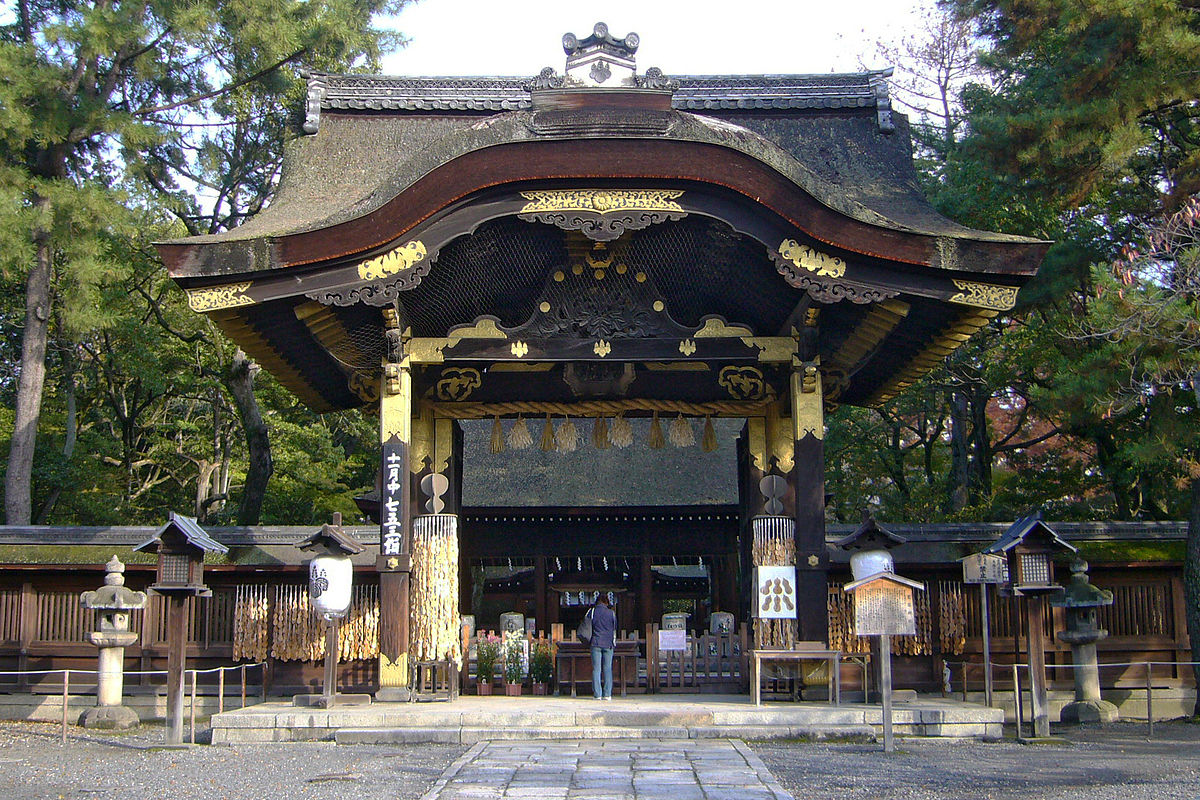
599	315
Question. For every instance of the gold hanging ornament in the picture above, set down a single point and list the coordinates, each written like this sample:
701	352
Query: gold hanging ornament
547	443
708	440
600	433
519	437
681	433
656	440
497	436
620	432
566	437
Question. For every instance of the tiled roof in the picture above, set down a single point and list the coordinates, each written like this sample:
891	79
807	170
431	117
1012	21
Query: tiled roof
695	92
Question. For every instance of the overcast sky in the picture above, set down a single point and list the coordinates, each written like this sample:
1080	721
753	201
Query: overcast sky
682	37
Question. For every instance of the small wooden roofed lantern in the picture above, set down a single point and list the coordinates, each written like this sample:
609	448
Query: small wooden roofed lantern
181	545
1030	547
602	243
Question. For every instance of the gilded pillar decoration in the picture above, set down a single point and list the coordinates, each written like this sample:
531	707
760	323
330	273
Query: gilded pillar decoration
808	484
395	535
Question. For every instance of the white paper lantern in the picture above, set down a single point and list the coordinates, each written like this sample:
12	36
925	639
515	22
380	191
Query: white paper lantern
330	579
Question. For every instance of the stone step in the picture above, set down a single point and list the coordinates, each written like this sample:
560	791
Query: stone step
471	735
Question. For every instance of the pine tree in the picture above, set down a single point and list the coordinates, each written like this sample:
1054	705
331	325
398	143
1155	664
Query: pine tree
88	88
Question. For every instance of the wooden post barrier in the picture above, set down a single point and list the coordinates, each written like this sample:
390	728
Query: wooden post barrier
1149	702
66	687
221	690
1016	677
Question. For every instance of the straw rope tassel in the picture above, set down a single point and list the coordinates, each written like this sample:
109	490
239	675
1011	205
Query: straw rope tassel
708	440
566	437
497	444
519	437
774	545
681	433
547	443
600	433
620	432
656	440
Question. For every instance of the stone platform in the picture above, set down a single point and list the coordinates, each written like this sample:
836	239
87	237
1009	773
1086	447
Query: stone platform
474	719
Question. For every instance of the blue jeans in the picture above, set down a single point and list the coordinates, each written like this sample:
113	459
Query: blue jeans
602	656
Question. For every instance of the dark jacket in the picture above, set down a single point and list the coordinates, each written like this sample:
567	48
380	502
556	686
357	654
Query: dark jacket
604	626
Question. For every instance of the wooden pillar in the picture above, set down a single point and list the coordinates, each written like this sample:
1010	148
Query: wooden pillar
646	593
808	482
541	604
395	519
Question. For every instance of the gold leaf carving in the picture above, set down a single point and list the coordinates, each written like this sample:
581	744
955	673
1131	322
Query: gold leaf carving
393	261
743	383
984	295
715	328
457	384
687	347
520	349
484	328
601	201
811	260
602	348
211	298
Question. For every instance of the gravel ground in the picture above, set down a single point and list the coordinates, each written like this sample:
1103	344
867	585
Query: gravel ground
35	766
1116	762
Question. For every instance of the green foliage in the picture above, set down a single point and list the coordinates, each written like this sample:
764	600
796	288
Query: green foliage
541	661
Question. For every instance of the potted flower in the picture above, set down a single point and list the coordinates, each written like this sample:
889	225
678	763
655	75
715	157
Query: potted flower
487	653
541	665
514	669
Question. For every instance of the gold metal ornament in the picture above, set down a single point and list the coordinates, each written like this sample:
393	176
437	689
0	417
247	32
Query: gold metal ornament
457	384
211	298
520	349
601	201
401	258
602	348
743	383
984	295
810	260
687	347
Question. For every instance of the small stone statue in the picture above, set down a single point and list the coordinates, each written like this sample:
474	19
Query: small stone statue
112	603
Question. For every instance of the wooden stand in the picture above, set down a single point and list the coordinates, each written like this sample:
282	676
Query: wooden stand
176	659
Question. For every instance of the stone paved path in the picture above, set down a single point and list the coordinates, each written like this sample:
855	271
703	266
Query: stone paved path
646	769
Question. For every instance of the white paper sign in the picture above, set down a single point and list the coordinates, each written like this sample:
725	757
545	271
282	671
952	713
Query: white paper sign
984	568
775	595
672	640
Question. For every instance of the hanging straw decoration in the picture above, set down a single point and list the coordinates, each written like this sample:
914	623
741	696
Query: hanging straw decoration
680	433
433	614
547	443
620	432
600	433
656	440
497	436
519	437
708	440
566	437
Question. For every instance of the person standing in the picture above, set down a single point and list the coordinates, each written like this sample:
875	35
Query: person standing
604	641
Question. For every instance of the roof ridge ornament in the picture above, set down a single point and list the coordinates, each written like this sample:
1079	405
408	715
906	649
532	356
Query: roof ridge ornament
601	59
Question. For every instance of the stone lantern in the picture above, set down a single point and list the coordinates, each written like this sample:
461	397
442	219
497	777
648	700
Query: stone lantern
1081	601
112	604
